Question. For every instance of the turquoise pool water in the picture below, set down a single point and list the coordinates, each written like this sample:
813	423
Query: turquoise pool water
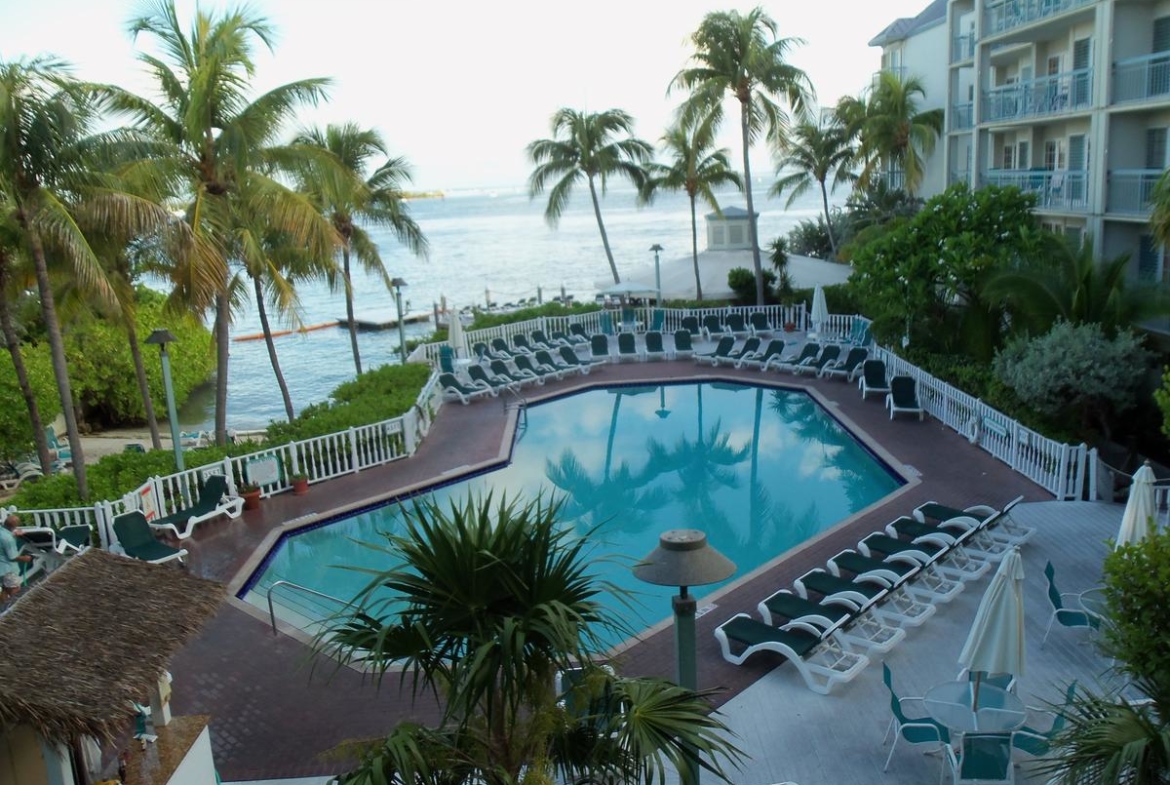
760	470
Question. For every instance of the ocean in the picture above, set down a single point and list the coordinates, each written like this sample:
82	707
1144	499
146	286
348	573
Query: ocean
483	243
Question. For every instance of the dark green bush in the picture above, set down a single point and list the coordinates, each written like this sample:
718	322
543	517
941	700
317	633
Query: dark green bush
742	282
485	320
810	237
1136	577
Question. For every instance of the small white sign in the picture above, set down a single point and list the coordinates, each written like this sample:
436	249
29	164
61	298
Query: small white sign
264	470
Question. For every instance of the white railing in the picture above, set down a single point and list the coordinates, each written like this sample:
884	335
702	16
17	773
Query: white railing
1059	190
1003	15
1057	467
1141	78
1130	190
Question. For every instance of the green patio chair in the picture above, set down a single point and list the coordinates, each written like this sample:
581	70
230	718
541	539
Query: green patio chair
657	320
915	730
628	347
822	659
903	397
1068	617
137	540
1039	743
446	359
457	390
982	758
873	378
605	321
654	348
691	325
214	501
682	343
722	349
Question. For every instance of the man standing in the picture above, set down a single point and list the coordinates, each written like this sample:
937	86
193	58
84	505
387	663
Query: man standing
10	557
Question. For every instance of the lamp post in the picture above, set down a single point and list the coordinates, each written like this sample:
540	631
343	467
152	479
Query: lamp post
397	285
657	249
683	559
662	411
162	337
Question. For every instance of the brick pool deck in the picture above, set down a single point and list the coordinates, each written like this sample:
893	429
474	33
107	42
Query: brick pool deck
275	712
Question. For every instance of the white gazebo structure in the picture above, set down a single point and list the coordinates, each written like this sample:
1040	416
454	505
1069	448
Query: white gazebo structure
729	231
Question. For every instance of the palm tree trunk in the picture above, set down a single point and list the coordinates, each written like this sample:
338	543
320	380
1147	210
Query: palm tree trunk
604	237
12	340
695	250
268	342
223	318
747	183
353	341
828	220
617	403
60	367
143	387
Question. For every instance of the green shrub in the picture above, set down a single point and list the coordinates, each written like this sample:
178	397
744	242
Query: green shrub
810	237
484	320
1136	577
16	436
839	298
742	282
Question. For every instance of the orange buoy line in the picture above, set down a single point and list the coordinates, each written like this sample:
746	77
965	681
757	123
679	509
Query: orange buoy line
278	333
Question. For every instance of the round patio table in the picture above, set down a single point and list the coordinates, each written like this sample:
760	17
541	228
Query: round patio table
950	705
1093	602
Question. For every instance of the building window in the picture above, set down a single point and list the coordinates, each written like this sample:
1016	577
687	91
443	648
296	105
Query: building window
1007	161
735	235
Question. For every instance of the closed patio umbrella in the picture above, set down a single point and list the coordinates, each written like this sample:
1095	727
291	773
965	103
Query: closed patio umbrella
1139	509
820	310
996	641
455	335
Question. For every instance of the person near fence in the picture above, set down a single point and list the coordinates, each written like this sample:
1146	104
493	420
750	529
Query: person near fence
10	558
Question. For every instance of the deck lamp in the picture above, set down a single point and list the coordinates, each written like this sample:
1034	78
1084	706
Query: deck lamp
657	249
161	337
396	284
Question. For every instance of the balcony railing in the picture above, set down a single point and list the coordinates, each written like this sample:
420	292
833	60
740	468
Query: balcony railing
962	116
1060	190
962	47
1009	14
1130	190
1047	95
895	179
1140	78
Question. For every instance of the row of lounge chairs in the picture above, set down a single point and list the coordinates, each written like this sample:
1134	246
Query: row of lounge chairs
825	361
490	378
834	618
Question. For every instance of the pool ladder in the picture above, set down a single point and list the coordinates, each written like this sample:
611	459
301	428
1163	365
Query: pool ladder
300	588
521	406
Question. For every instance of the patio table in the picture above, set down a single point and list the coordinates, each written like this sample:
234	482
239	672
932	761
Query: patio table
1093	602
950	704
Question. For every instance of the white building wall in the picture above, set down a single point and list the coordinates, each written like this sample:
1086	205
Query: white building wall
924	56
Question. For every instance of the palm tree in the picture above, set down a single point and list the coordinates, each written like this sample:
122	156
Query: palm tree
583	147
354	201
740	54
813	153
488	603
694	168
220	149
1160	210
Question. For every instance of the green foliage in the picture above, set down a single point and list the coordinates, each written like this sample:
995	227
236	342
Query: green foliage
839	298
1076	371
742	281
810	237
1162	398
16	436
384	392
1136	577
484	320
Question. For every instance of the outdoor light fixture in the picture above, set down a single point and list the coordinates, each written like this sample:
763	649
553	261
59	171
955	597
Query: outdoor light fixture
161	337
657	249
397	285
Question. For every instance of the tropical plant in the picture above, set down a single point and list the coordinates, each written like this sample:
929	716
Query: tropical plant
695	168
353	201
1135	593
1160	210
583	146
813	154
810	237
778	256
741	55
488	602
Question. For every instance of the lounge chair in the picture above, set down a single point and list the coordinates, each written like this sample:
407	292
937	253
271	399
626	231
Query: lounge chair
628	347
829	354
482	378
654	347
500	370
457	390
1068	617
657	320
527	363
903	397
722	349
712	326
605	321
571	360
20	473
951	560
997	523
499	350
577	333
682	343
213	502
64	541
920	580
982	546
774	349
758	321
915	730
446	359
481	352
599	348
736	324
848	367
542	341
137	540
61	450
691	325
520	342
560	338
544	358
750	348
873	378
807	354
897	605
861	628
823	659
982	758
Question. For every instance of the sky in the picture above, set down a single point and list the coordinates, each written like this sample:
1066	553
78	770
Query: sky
461	87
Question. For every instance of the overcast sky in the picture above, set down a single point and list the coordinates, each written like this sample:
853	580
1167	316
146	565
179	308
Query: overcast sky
461	87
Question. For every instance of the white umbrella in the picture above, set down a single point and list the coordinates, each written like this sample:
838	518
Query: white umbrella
996	642
1139	509
455	335
820	310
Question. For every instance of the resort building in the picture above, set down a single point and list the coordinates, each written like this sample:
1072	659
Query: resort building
1068	99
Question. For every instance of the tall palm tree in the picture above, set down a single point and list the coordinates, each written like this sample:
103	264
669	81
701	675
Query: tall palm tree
813	153
353	201
583	146
695	168
741	55
218	148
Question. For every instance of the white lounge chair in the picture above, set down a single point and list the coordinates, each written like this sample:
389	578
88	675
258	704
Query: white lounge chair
903	397
214	501
896	604
862	627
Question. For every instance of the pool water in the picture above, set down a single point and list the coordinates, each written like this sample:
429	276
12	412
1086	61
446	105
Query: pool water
760	470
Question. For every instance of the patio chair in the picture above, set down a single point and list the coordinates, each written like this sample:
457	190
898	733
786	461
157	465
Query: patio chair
525	362
722	349
577	333
630	321
920	580
500	351
214	501
859	332
861	626
847	367
682	343
628	347
822	659
873	378
953	560
657	320
500	370
542	341
915	730
735	324
446	359
997	523
654	348
1068	617
903	397
1039	743
570	359
64	541
585	692
599	348
561	338
830	354
481	378
774	348
605	321
520	342
137	540
1004	681
61	450
691	325
481	351
980	542
758	322
898	606
750	348
712	326
457	390
545	359
806	355
982	758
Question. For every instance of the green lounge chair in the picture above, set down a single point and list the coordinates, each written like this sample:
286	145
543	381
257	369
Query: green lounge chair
213	502
1068	617
736	324
682	343
873	378
457	390
137	540
654	348
861	626
759	359
927	581
657	320
915	730
848	367
749	349
481	378
806	355
499	350
822	658
599	348
691	325
897	605
570	359
712	326
545	359
542	341
520	342
64	541
722	349
829	354
61	451
982	759
998	524
758	321
605	322
446	359
628	347
526	363
953	560
481	352
500	370
903	397
577	333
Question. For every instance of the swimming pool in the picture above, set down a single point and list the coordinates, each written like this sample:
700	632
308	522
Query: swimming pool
761	470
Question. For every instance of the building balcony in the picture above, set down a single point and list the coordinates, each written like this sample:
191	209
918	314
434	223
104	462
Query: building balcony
1048	95
894	179
962	116
1130	190
1003	15
1142	78
1059	190
962	47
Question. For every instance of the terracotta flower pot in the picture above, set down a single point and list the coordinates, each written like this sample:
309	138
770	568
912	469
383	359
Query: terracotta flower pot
251	499
300	487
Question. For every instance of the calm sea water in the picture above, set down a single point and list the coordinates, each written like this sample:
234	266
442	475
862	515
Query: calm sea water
480	241
760	470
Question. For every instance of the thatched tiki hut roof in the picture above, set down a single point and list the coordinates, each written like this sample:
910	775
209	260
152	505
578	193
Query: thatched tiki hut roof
94	635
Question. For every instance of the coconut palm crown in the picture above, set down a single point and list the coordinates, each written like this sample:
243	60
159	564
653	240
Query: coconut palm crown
813	154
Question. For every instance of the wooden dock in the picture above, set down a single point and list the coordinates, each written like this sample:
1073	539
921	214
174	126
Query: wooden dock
375	323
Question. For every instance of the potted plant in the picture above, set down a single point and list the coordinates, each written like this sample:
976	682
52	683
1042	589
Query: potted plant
251	495
300	484
790	327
